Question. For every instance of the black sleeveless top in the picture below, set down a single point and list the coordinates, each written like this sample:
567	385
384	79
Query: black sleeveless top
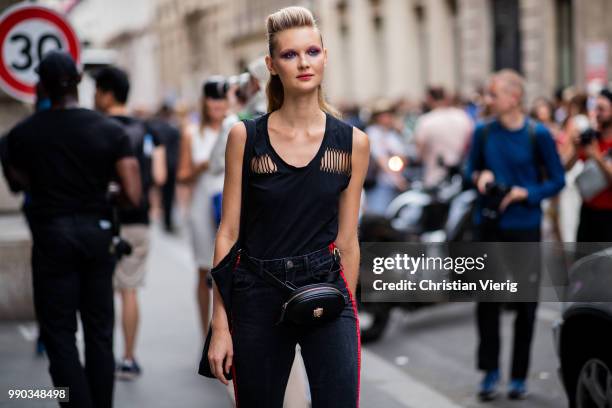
292	210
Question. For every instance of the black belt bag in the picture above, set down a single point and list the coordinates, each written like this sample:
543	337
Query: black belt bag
310	304
313	304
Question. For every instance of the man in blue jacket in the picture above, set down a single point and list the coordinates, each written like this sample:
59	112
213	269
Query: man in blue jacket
519	154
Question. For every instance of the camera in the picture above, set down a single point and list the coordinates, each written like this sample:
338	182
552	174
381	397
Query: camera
242	84
119	246
586	137
215	87
494	194
587	133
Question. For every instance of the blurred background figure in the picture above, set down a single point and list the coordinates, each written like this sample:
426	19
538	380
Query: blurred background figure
385	142
72	259
194	162
575	107
249	94
507	155
442	136
542	111
351	114
42	103
165	126
593	146
112	90
474	103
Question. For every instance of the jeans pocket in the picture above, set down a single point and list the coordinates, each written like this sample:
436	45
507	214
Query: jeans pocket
327	272
242	279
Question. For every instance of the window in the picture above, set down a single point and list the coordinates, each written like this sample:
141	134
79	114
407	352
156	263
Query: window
565	44
453	13
379	44
423	44
507	34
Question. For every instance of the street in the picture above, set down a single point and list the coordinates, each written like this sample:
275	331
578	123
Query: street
424	360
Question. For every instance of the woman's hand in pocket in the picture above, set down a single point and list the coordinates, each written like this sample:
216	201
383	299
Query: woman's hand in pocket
221	354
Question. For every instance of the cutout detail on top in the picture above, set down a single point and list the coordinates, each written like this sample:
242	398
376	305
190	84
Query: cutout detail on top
336	161
263	165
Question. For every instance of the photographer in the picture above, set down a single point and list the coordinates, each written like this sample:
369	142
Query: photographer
443	132
506	160
594	146
194	170
250	92
385	142
65	157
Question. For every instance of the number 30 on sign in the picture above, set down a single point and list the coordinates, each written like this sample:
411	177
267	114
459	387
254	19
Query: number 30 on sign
27	32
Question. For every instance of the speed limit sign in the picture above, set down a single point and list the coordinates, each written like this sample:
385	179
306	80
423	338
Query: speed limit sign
27	32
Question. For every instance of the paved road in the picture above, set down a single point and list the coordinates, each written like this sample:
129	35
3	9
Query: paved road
425	359
437	346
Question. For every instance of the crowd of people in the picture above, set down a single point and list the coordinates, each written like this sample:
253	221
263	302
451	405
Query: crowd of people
552	157
555	161
437	134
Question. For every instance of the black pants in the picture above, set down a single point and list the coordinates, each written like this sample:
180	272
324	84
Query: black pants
168	192
488	316
72	272
595	225
264	351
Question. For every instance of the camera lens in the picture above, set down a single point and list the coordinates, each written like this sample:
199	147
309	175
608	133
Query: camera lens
215	87
587	136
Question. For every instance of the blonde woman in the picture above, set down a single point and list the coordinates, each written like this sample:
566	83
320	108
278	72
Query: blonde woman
305	177
196	148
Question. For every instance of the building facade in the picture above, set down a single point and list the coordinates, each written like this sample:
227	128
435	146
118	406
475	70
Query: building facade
396	48
137	51
202	38
458	43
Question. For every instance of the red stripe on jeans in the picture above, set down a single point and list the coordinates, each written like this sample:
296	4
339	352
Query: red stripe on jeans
233	367
354	305
235	385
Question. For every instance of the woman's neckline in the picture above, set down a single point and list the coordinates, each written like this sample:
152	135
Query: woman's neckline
280	158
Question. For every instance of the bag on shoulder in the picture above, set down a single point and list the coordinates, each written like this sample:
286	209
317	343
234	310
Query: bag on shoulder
591	181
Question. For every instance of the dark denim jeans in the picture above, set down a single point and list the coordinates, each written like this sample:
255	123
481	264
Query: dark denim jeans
264	350
488	317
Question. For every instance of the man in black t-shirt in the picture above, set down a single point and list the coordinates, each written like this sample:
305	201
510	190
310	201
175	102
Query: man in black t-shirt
112	88
163	125
65	157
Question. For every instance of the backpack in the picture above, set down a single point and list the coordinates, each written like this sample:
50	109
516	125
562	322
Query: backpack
143	145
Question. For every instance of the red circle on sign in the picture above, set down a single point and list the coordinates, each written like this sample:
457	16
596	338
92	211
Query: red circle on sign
20	14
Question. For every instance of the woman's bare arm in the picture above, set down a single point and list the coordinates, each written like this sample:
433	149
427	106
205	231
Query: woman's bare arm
221	351
229	226
347	240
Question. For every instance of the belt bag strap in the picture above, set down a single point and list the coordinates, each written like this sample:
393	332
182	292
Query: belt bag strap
287	287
